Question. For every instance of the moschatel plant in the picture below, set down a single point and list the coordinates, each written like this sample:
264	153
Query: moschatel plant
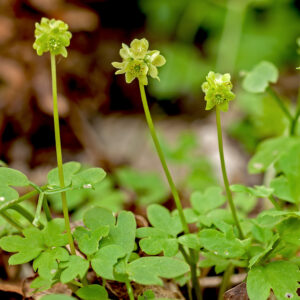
111	246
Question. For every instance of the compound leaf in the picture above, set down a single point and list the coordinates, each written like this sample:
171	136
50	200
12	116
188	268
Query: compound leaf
75	266
69	169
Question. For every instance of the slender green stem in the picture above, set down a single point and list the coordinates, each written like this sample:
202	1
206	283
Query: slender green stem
11	221
295	120
232	32
129	290
59	154
163	160
224	173
274	202
24	212
195	281
225	281
280	103
47	209
196	292
37	216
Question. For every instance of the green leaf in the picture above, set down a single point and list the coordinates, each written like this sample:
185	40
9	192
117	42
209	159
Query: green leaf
220	263
289	231
259	78
75	266
92	292
57	297
104	260
280	276
41	284
123	233
209	200
47	262
190	240
218	243
10	177
257	257
28	247
88	240
148	270
97	217
289	164
155	241
88	178
259	191
269	152
161	219
148	187
69	169
282	189
53	233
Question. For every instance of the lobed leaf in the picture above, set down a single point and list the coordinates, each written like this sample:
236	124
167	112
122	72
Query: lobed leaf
259	78
148	270
92	292
75	266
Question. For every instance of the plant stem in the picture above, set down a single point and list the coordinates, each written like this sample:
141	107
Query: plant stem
24	212
175	194
224	173
37	216
11	221
295	120
274	202
231	35
46	209
280	103
225	281
129	290
163	160
59	154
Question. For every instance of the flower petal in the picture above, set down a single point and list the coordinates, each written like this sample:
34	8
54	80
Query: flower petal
153	71
159	61
129	77
143	80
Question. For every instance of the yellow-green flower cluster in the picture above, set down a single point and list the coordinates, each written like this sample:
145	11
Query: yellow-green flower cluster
52	35
217	89
139	62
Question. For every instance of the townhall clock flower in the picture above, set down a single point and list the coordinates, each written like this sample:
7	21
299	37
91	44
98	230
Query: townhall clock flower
139	62
52	35
217	89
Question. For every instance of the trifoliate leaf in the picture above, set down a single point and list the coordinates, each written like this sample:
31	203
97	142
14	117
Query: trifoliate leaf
104	260
47	262
148	270
217	242
28	247
88	240
69	169
269	152
207	201
282	189
88	178
123	233
161	219
155	241
34	241
75	266
97	217
259	78
280	276
92	292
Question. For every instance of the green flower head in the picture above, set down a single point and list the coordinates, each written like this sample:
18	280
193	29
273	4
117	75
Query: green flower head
139	62
217	89
52	35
